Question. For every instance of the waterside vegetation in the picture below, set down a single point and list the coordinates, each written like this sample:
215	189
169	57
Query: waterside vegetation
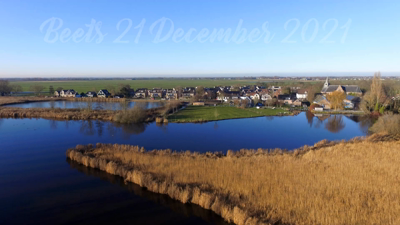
352	182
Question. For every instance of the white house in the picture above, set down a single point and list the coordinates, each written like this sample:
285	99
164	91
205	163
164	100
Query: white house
253	95
91	94
302	94
266	97
67	93
103	93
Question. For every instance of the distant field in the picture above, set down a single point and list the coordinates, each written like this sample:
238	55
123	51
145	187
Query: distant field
84	86
90	85
210	113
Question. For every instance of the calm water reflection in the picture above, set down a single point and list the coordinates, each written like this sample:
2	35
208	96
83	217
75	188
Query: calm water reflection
264	132
83	105
176	206
38	186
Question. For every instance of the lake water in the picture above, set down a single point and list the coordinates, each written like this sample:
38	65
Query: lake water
84	105
39	185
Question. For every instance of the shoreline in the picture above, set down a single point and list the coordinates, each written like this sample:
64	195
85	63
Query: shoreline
70	114
133	164
238	118
339	112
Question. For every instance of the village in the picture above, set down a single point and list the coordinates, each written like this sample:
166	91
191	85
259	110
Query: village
237	95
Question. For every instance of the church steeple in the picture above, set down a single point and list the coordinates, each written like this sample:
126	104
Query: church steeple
326	84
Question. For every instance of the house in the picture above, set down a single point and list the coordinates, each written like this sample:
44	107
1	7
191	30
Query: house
57	94
228	95
266	97
91	94
141	93
77	95
103	94
286	99
347	89
322	101
171	94
351	102
210	93
67	93
275	91
297	102
188	93
190	89
253	95
302	94
156	93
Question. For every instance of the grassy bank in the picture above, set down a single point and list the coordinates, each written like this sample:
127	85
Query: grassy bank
211	113
353	182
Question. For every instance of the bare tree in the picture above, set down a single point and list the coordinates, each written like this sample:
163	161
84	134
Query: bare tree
37	88
16	88
376	90
111	89
5	87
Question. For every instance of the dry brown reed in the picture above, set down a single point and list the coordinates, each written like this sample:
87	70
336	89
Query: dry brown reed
137	114
354	182
60	114
80	114
8	100
389	123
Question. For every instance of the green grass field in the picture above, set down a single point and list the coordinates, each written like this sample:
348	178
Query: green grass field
211	113
90	85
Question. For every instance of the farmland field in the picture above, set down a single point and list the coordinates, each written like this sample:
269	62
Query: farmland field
89	85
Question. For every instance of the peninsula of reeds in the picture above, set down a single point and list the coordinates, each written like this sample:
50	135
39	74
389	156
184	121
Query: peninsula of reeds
354	182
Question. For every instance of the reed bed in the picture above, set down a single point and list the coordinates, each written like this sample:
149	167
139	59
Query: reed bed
7	100
354	182
59	114
81	114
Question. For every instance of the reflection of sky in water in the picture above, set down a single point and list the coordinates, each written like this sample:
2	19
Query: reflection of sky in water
264	132
84	105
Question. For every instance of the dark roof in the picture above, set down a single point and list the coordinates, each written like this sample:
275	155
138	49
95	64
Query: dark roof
352	88
320	98
346	88
283	97
231	93
105	91
353	98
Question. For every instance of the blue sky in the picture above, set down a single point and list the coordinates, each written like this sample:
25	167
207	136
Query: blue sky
366	37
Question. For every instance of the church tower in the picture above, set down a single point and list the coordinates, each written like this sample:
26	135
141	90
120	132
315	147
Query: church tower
326	84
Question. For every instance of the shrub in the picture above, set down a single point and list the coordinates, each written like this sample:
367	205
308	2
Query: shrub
387	123
135	115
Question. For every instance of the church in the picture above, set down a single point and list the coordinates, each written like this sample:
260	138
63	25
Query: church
347	89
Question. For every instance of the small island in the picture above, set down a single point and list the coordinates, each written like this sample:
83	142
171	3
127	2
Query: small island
213	113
